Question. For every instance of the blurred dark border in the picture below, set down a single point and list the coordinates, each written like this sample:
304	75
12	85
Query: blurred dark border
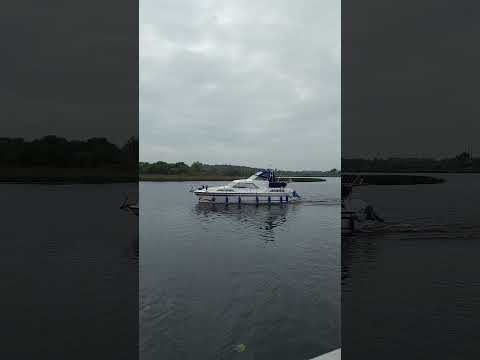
68	167
409	133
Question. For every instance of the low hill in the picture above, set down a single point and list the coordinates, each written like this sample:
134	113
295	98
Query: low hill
198	169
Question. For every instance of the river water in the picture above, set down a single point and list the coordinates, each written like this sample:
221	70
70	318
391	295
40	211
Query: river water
69	271
413	290
239	282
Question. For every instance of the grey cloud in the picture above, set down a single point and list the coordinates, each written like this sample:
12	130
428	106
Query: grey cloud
242	82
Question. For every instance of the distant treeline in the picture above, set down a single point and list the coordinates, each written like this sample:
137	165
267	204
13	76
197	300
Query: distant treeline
57	152
463	162
197	168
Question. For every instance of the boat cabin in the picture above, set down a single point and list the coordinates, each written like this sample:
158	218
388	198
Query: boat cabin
268	175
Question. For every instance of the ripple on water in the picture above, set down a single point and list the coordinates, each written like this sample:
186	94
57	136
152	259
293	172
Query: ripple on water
214	277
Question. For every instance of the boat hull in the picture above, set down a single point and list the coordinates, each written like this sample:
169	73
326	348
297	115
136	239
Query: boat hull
246	198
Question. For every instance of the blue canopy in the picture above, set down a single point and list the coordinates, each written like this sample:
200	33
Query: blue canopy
264	174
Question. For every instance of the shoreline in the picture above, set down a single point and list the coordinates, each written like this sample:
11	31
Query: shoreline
44	175
66	180
98	179
75	177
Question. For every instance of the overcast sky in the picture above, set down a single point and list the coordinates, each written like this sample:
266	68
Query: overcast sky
241	82
410	78
69	70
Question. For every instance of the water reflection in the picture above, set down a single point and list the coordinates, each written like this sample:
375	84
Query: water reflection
355	251
133	251
215	276
264	219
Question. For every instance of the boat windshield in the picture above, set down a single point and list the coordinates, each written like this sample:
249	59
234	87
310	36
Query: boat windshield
262	175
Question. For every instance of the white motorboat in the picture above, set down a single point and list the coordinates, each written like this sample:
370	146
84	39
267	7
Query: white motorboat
261	188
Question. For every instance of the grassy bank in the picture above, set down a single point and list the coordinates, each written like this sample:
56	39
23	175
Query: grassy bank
182	177
302	179
393	179
44	175
103	176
